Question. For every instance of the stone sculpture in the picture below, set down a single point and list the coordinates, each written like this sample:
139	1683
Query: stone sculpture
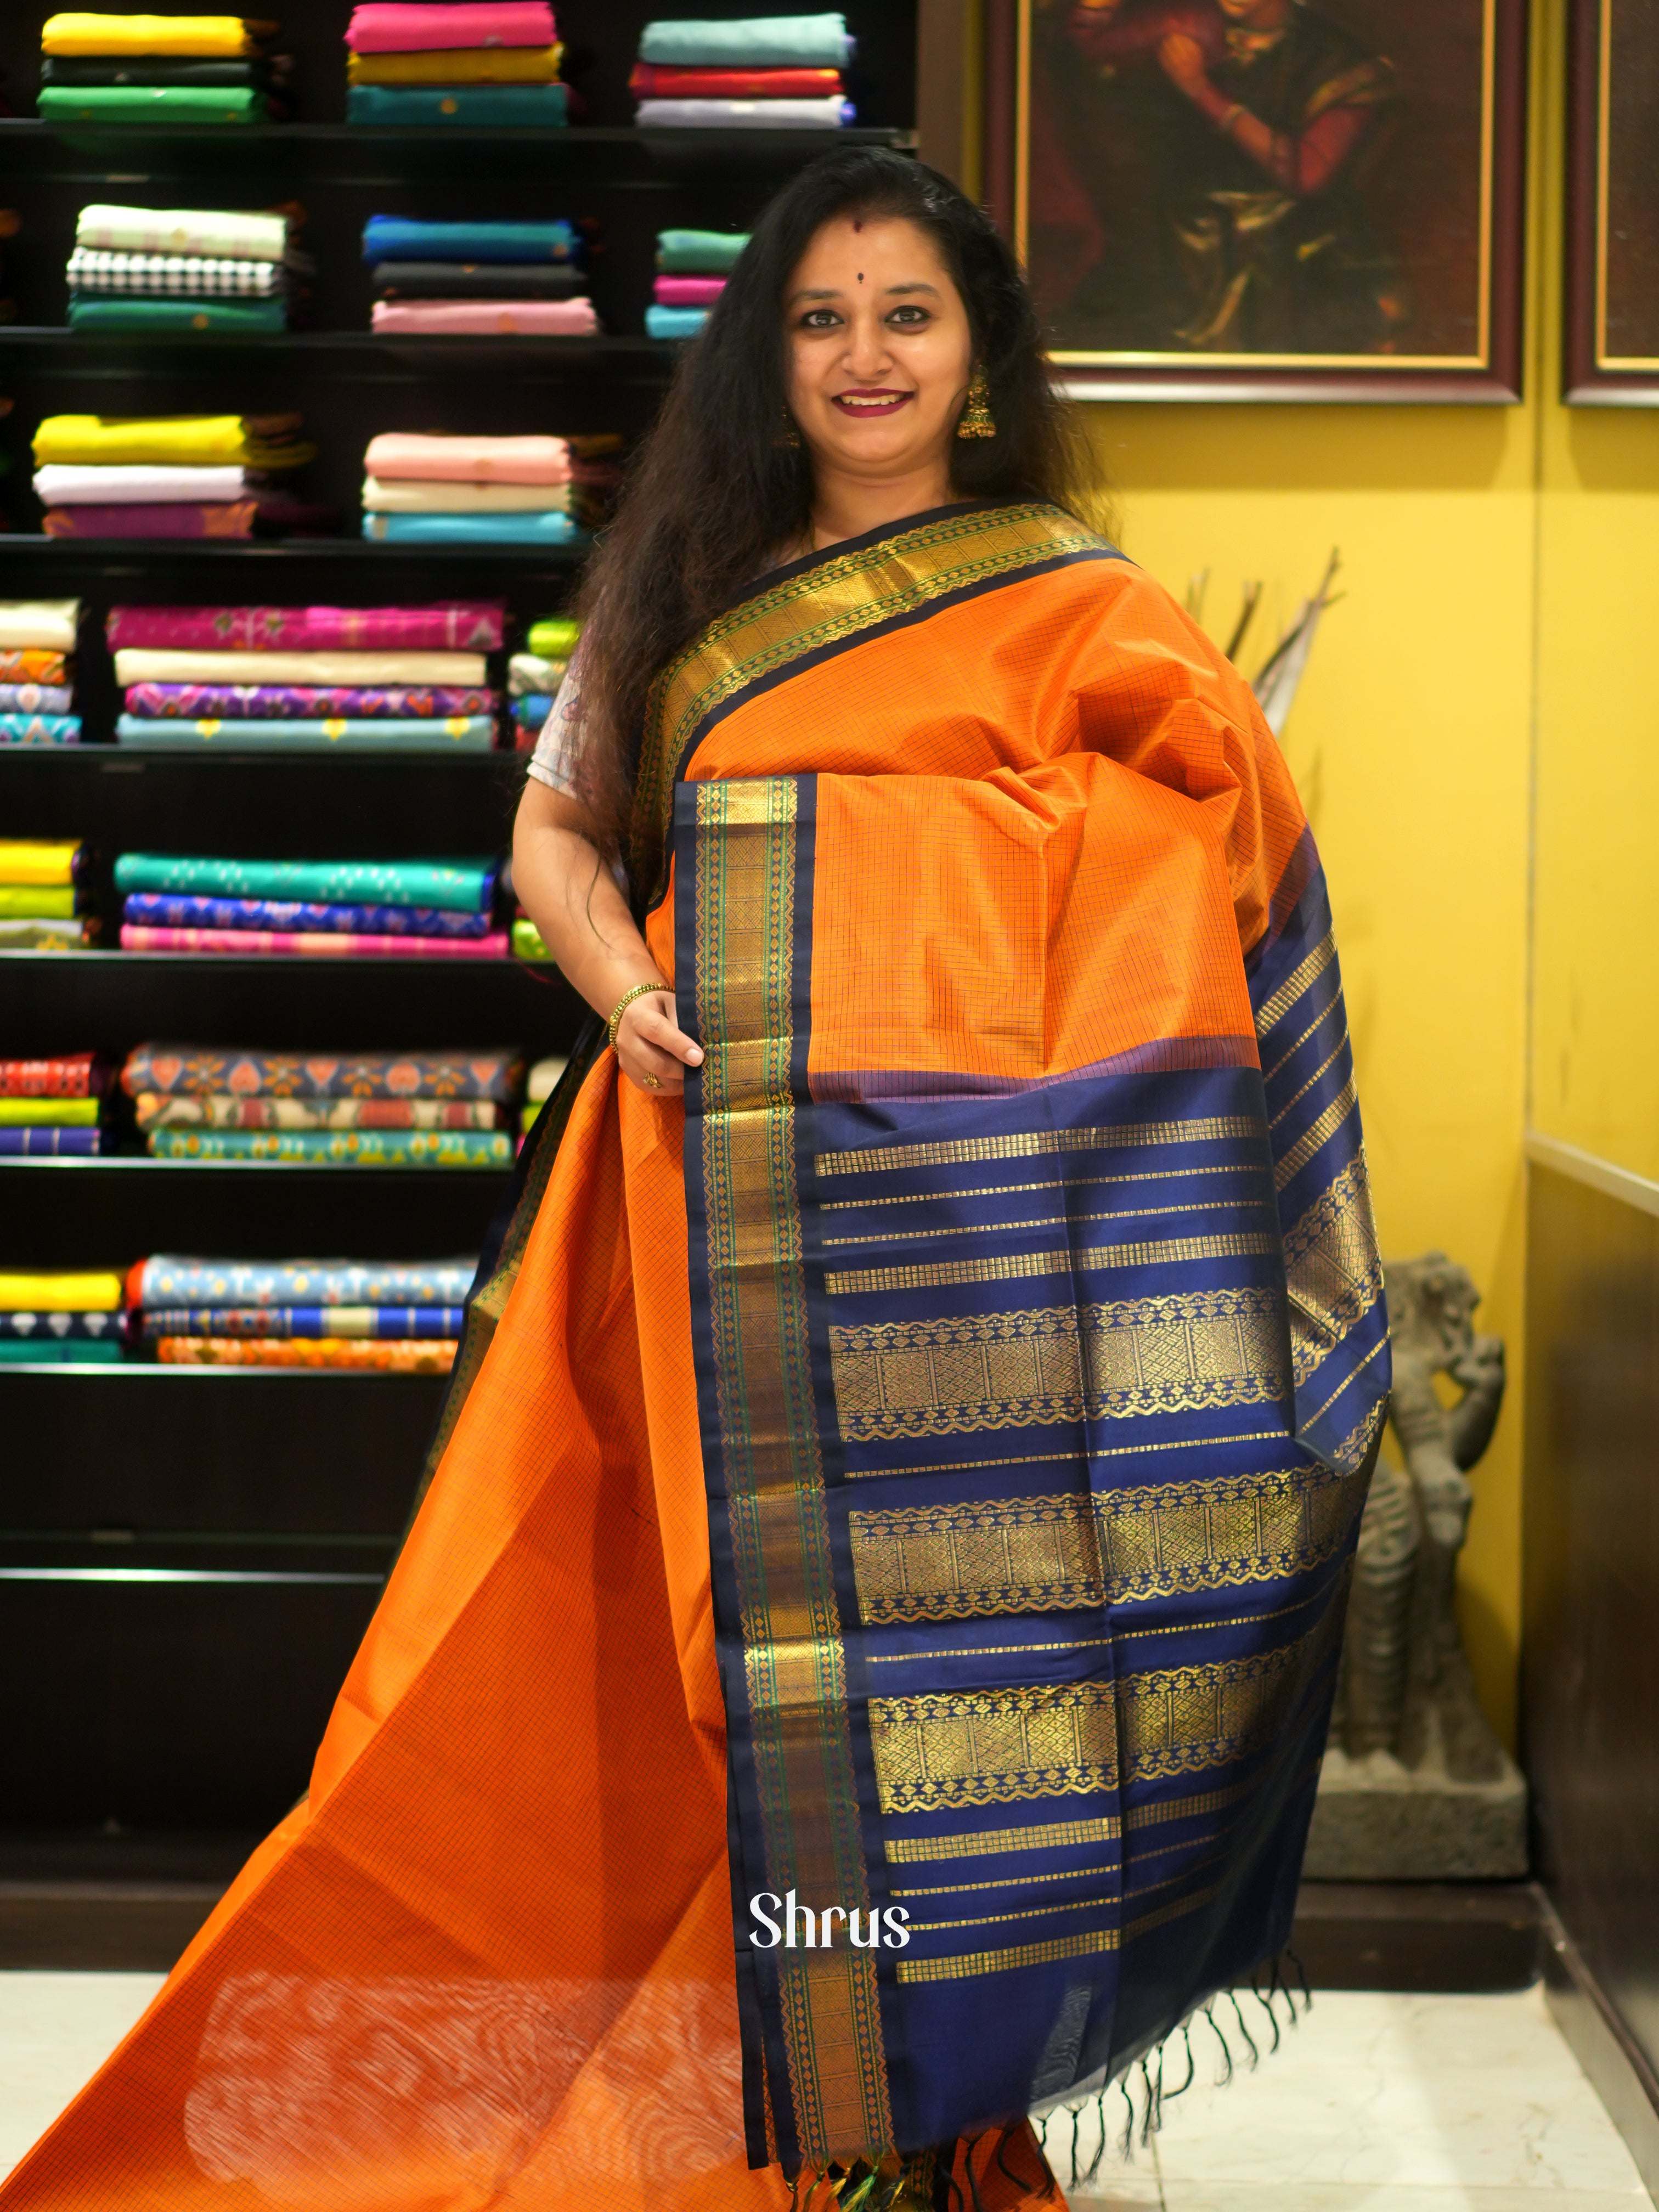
1415	1786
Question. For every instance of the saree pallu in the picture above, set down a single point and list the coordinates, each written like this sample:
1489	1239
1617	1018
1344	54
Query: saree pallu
193	1070
471	626
171	1279
950	1423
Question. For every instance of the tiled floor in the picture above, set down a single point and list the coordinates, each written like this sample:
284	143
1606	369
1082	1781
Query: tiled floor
1374	2104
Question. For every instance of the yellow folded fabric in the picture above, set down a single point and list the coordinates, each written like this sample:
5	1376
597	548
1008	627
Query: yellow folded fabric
57	1293
36	860
76	33
458	65
184	439
48	1113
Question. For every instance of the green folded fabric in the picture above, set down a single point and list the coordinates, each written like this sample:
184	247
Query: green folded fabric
59	1351
151	103
48	1113
188	314
466	886
751	42
533	106
699	252
352	1148
36	901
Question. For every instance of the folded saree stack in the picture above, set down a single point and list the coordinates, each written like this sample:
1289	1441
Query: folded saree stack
160	69
37	671
43	897
55	1108
478	279
315	909
533	677
393	1318
426	1109
170	476
64	1318
489	64
346	679
437	490
766	72
180	268
692	267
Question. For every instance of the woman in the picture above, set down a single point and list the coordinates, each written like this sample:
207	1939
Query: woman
858	1669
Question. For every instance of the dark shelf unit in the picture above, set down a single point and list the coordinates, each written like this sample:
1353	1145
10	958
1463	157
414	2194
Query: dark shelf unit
189	1556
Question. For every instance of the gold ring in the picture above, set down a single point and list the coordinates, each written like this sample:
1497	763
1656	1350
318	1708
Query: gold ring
651	1082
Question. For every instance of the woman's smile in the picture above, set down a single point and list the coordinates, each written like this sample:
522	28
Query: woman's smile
871	400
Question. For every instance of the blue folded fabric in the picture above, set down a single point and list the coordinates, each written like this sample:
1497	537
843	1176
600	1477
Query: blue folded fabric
365	1321
399	238
533	709
533	106
433	733
531	529
674	322
58	1144
753	42
40	729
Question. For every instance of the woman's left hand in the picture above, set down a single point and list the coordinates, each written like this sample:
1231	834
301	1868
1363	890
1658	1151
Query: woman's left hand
1181	59
654	1049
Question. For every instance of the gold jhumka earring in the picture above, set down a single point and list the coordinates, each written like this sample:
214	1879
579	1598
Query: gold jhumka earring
976	420
788	434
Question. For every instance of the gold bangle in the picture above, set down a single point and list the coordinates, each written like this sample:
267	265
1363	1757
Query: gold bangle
638	990
1224	124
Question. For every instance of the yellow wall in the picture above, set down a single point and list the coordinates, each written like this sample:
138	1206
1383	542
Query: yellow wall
1409	742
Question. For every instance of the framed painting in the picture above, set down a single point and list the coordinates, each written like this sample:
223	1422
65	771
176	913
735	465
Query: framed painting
1611	326
1267	199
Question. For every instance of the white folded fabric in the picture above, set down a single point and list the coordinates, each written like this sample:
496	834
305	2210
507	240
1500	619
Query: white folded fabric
136	664
528	676
232	236
125	483
49	624
826	114
413	495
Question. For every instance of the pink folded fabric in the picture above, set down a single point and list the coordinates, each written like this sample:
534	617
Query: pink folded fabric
335	944
562	319
688	291
450	625
176	519
397	454
408	26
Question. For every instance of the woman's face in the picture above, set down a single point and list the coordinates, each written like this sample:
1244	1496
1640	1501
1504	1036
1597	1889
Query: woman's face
880	351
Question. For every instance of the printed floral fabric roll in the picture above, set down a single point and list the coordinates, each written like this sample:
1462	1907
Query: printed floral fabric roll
152	1111
434	1358
463	625
172	1278
243	943
301	702
186	1069
184	910
364	1323
360	1148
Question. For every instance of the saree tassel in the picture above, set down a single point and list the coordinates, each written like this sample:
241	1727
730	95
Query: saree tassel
1149	2125
1255	2056
1267	2005
1300	1973
1126	2142
1222	2079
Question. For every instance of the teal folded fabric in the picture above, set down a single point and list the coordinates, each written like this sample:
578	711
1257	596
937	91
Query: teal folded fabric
466	886
699	252
151	103
674	322
356	1148
188	314
431	733
401	238
754	42
59	1351
529	529
529	107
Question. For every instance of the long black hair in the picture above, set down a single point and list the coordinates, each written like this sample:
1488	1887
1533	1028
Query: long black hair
714	493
